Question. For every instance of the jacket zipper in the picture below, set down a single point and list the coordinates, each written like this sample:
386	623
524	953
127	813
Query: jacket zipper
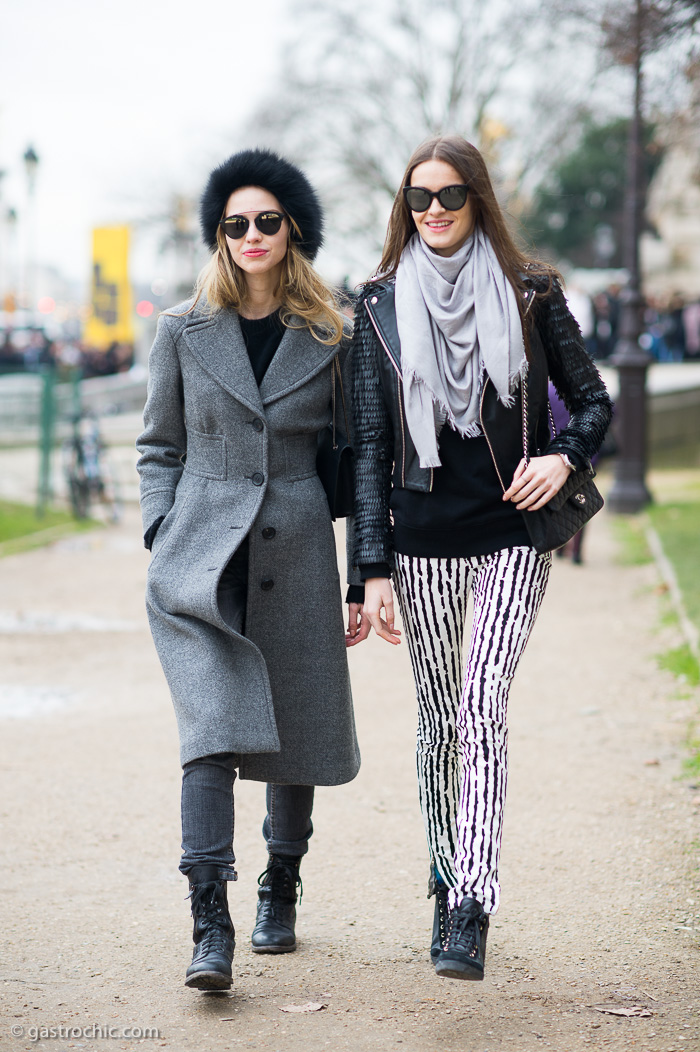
488	442
398	393
381	340
403	434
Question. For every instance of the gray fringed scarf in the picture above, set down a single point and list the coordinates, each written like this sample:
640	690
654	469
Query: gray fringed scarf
457	318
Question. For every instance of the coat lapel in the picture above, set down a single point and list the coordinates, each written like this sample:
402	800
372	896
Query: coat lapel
217	343
298	358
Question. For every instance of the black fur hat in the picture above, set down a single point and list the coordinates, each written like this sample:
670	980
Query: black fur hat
282	178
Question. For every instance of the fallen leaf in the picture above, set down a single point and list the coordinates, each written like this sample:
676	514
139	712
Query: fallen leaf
636	1010
652	762
310	1006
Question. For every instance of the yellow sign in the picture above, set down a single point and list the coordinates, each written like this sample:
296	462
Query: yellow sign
111	316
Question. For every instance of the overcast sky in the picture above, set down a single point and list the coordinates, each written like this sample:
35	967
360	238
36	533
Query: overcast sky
124	103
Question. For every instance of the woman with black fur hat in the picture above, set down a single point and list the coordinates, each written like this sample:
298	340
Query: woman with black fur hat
240	530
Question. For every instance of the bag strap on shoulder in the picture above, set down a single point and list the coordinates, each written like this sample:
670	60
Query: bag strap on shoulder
336	371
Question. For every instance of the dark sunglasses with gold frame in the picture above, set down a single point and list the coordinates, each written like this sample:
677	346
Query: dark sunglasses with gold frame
268	223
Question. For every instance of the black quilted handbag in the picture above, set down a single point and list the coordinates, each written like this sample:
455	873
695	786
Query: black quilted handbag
335	459
563	516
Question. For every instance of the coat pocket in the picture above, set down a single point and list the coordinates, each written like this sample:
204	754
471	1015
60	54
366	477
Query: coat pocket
206	455
165	530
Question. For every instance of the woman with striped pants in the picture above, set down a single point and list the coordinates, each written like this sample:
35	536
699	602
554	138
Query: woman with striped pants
454	328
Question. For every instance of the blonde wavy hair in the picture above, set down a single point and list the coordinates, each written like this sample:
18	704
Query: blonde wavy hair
307	301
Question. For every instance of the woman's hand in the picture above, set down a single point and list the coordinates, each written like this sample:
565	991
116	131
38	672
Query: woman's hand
378	596
535	484
358	625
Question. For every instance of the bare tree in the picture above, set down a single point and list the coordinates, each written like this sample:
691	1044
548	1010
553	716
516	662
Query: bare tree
629	33
363	83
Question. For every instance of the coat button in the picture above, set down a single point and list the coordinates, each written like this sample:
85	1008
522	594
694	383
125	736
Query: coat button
257	424
258	478
269	532
266	584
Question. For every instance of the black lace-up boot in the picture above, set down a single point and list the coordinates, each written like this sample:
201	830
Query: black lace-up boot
213	933
277	896
440	890
464	949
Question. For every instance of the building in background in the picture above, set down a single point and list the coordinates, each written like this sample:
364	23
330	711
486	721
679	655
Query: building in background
671	256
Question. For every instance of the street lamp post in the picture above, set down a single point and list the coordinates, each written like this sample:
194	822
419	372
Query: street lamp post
31	164
3	252
8	276
629	492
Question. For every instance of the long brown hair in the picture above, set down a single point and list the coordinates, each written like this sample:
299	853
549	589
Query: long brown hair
306	300
487	212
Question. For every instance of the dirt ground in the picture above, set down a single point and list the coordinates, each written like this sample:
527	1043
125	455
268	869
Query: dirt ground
601	887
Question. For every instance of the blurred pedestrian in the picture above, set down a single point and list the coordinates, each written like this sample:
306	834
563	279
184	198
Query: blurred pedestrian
240	529
457	324
606	311
10	358
691	327
675	330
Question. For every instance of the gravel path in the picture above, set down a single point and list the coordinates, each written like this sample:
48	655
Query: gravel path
601	890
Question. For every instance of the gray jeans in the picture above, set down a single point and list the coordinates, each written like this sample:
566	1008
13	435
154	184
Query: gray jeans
207	783
208	815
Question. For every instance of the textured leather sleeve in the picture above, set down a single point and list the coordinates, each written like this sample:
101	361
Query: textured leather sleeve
374	444
575	377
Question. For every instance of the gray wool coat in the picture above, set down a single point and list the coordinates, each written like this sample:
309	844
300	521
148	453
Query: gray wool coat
222	459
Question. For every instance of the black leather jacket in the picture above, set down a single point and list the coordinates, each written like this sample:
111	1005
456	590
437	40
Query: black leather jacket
384	452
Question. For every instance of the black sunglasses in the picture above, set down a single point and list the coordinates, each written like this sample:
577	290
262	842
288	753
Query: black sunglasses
237	226
452	198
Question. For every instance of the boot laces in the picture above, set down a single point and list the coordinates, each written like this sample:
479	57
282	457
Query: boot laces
465	927
282	879
214	940
208	905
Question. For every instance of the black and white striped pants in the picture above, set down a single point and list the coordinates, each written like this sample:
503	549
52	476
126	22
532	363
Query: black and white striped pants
462	735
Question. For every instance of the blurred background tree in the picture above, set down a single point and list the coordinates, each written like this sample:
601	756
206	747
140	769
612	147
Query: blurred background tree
627	36
628	33
364	83
577	212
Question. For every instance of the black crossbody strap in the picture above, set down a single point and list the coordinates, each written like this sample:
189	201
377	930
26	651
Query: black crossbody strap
337	372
